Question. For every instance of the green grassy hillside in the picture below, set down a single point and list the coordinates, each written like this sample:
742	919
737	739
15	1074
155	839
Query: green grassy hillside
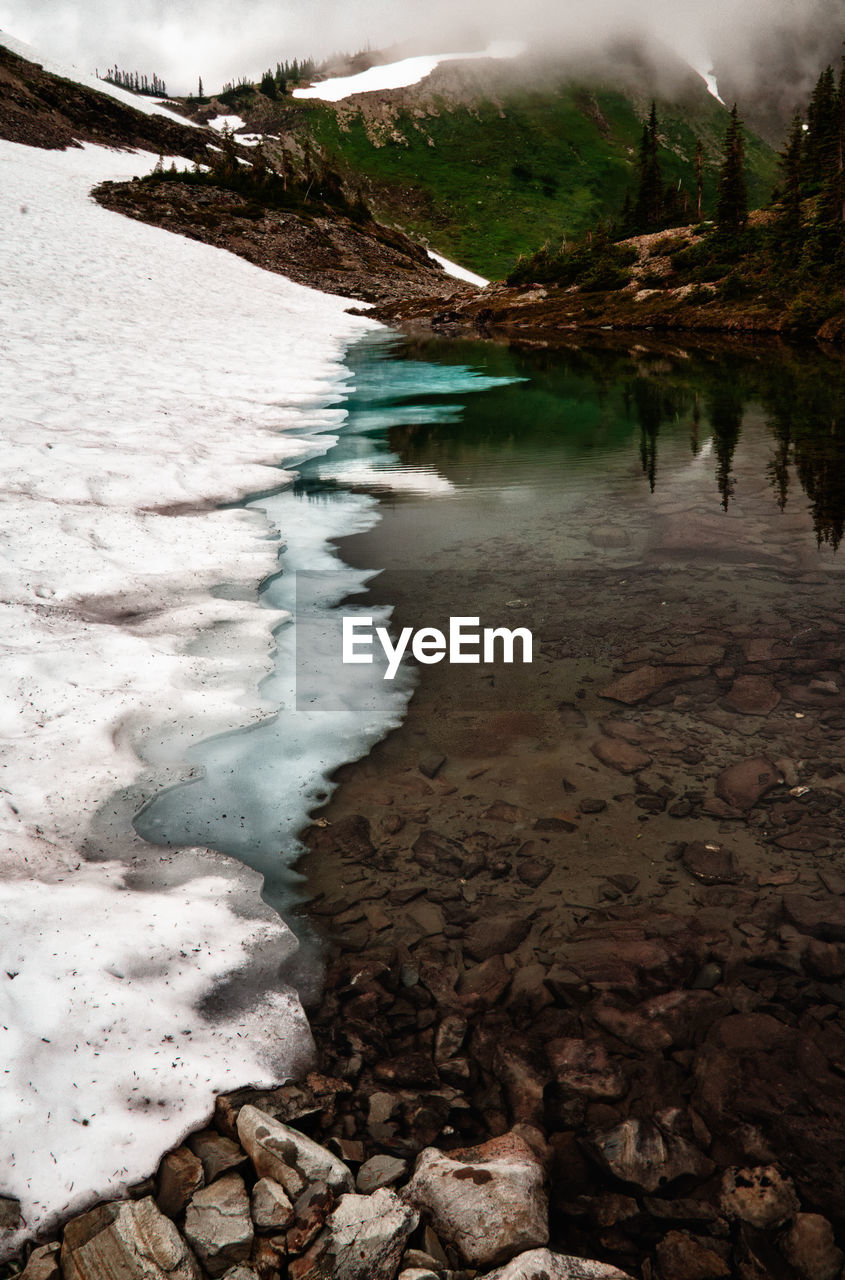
488	176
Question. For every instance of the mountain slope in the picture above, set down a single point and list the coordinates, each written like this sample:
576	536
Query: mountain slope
487	160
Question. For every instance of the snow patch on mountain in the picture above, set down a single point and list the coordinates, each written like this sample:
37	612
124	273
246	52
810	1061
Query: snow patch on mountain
398	75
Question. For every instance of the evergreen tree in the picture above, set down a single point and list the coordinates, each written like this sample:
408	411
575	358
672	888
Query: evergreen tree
732	205
649	205
268	84
699	178
821	130
791	167
200	93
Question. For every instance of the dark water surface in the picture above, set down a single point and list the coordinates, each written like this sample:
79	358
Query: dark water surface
621	503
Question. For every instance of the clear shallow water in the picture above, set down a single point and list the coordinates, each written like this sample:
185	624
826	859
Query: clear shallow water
475	480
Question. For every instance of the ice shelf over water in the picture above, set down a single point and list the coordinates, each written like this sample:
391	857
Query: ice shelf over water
146	378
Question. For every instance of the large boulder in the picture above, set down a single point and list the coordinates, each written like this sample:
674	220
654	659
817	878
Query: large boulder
364	1239
488	1201
287	1156
126	1240
541	1264
218	1224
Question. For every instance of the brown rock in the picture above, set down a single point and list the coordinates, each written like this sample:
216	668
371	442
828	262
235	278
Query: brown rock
364	1239
480	987
684	1257
42	1264
496	935
440	853
761	1196
742	785
432	764
270	1206
651	1153
217	1153
180	1174
824	920
698	655
641	683
533	871
126	1238
620	755
710	863
752	696
584	1068
501	811
416	1070
810	1248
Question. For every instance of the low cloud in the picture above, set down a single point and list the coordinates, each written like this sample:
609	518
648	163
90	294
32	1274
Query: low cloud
183	39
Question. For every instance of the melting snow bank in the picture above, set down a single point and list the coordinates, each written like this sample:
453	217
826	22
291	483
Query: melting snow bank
459	273
146	378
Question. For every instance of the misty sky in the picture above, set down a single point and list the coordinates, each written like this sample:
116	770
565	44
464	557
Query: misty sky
220	40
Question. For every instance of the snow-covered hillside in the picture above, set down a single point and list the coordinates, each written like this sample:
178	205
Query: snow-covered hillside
398	75
140	102
146	378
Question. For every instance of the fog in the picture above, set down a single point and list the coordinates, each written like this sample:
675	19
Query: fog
183	39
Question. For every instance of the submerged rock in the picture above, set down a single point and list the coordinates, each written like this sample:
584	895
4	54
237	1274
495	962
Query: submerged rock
742	785
487	1201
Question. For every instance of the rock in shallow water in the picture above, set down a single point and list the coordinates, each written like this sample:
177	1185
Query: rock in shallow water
742	785
488	1201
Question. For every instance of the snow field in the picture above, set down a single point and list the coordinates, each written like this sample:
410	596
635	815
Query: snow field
146	378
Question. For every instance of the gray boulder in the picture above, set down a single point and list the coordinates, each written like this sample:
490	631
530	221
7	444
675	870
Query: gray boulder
541	1264
218	1224
180	1174
287	1156
488	1201
129	1239
364	1239
271	1208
